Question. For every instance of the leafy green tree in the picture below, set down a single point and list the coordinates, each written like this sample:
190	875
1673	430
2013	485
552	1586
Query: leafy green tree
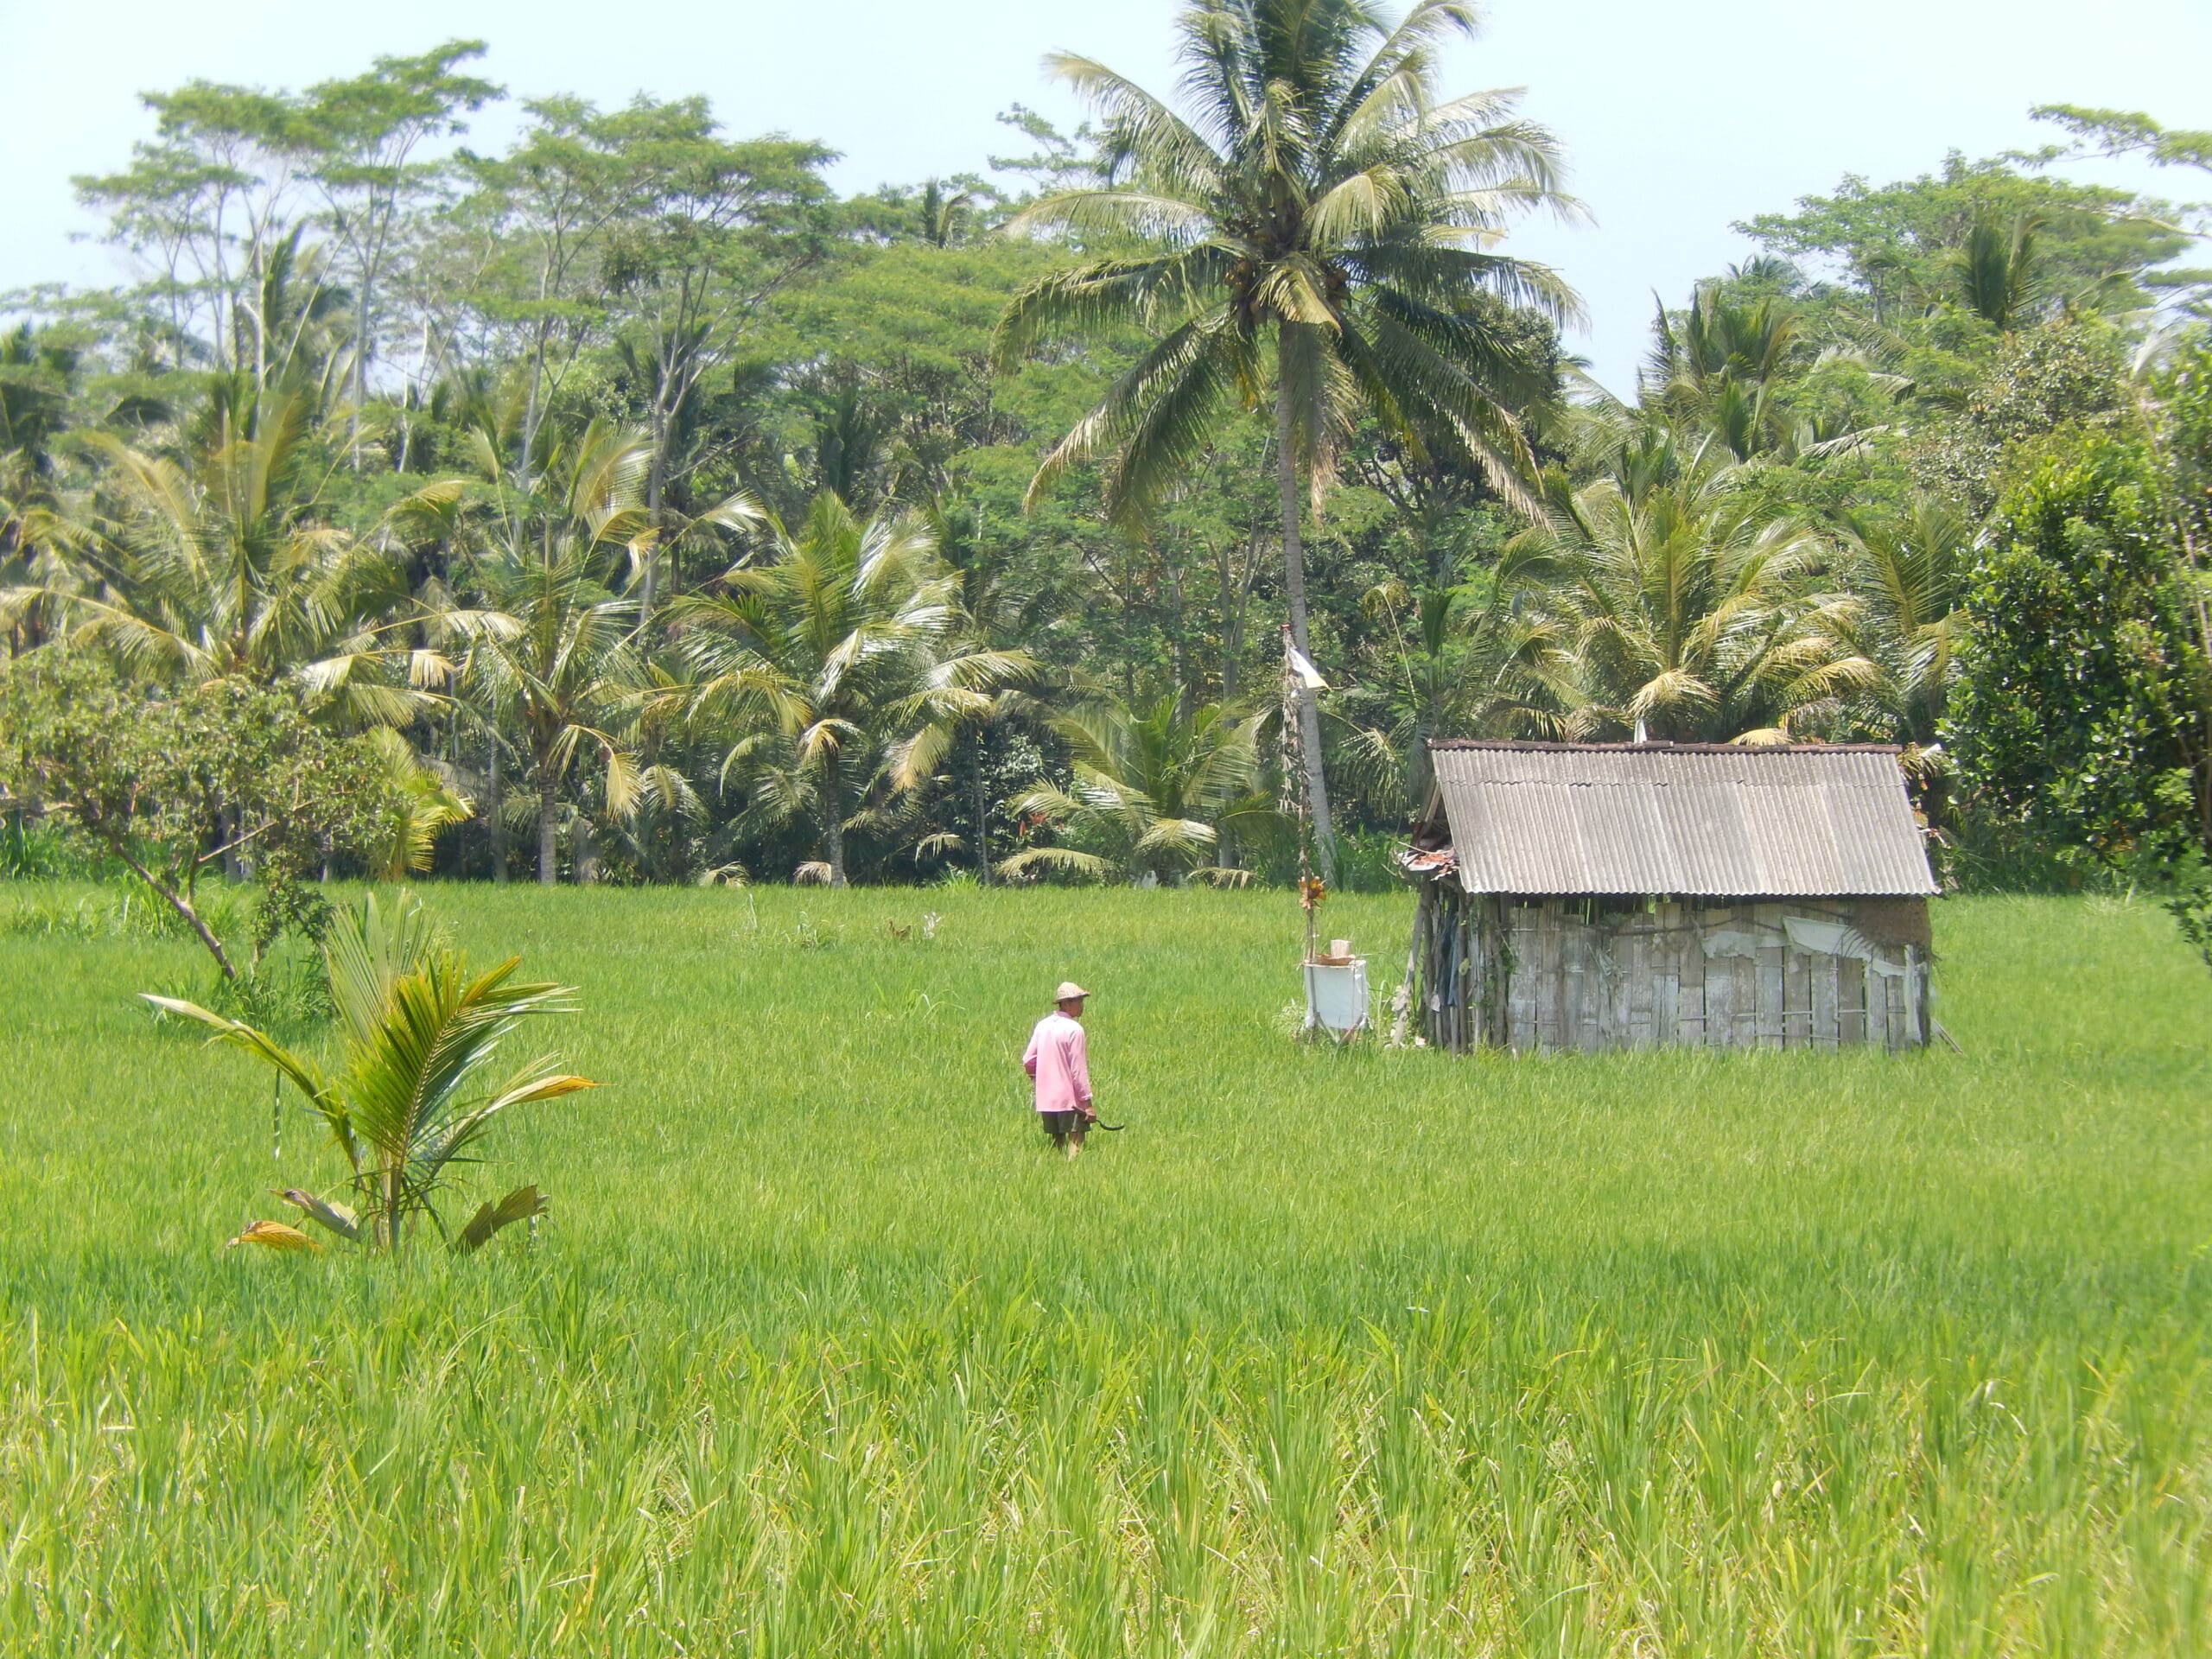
1318	205
1900	246
828	661
2079	711
2131	132
1153	793
712	231
365	135
523	259
167	781
207	205
37	372
2063	376
413	1097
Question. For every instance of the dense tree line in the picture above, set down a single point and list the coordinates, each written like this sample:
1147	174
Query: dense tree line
673	518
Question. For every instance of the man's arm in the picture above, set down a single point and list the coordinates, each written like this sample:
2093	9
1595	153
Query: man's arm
1079	1066
1029	1059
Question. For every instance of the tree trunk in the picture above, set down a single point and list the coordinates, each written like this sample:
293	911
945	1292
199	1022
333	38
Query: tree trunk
177	902
833	823
498	819
656	488
361	339
549	813
586	852
1294	568
983	816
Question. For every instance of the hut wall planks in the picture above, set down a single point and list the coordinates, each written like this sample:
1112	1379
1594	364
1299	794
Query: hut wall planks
1582	972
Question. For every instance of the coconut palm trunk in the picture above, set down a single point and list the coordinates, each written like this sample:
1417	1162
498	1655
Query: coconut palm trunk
983	815
549	814
497	789
1293	576
833	820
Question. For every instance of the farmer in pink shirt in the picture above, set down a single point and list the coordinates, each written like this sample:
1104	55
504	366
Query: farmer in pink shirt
1057	1060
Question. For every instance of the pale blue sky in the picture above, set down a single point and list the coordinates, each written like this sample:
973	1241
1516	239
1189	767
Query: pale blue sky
1678	118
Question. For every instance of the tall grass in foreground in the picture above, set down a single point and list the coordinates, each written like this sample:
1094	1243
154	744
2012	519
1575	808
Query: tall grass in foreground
819	1353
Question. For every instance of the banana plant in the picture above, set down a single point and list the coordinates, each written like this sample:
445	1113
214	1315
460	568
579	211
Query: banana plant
412	1095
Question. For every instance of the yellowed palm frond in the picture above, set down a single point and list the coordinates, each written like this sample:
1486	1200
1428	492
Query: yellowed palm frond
275	1235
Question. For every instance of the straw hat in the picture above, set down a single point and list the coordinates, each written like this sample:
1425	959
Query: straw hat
1068	991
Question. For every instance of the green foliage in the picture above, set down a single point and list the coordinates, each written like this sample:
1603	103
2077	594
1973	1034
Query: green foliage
1154	794
2131	132
167	781
413	1095
2192	909
53	904
1689	606
1906	572
1911	246
1349	1352
2050	386
40	850
550	649
455	441
841	666
2077	713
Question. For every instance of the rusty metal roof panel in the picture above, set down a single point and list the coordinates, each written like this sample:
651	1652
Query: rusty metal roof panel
1786	821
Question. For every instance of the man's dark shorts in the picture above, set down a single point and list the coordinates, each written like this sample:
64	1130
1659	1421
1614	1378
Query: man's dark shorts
1060	1125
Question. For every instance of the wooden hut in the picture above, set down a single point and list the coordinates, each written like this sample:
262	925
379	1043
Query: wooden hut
1586	896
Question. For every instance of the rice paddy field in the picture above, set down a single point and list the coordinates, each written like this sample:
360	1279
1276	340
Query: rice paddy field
1365	1351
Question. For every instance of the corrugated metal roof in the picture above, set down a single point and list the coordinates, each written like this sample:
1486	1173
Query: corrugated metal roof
1705	820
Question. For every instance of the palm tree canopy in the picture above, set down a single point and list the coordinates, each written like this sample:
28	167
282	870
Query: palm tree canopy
1690	606
553	640
218	562
1907	574
1312	185
1153	787
841	661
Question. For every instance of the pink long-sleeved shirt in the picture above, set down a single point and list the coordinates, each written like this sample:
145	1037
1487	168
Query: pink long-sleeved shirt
1057	1059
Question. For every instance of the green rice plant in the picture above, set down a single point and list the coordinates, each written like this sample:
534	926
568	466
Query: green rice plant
84	911
38	851
1352	1350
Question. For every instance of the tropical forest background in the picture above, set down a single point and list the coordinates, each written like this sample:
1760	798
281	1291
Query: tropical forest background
630	507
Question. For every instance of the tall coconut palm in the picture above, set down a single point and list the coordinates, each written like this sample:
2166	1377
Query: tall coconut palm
1152	792
828	661
1315	209
1689	606
1905	574
552	643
